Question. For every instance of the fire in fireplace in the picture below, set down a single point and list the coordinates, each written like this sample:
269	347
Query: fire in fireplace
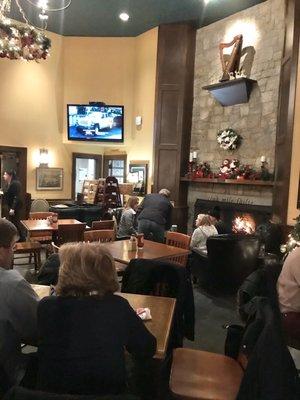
244	224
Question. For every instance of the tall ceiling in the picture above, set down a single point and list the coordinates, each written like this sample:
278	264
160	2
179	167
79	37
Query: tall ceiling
100	17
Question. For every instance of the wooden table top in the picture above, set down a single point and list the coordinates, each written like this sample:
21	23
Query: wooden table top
42	224
151	250
161	308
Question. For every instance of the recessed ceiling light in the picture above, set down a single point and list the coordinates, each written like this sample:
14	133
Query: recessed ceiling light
124	17
206	2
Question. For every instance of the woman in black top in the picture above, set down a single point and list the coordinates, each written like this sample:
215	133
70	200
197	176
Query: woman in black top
84	331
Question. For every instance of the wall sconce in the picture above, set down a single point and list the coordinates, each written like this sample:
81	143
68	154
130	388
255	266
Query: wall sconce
44	158
138	120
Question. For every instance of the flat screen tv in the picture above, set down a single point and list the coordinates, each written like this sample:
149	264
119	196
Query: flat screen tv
95	123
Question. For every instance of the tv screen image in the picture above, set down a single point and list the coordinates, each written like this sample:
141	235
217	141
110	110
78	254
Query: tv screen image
96	123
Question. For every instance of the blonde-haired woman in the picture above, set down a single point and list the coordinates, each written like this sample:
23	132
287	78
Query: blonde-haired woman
127	222
84	330
204	229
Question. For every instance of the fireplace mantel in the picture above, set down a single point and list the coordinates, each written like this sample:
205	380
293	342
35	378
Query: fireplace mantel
228	181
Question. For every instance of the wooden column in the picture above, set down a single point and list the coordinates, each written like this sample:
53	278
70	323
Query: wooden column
287	96
173	113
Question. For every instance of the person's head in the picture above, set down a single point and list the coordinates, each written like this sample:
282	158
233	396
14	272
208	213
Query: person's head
9	175
215	213
165	192
86	269
203	219
132	202
8	237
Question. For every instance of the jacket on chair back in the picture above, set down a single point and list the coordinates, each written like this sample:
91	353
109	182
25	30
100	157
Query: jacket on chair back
146	276
271	373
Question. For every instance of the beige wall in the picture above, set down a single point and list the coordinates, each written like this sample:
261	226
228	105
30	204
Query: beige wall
34	98
293	212
31	109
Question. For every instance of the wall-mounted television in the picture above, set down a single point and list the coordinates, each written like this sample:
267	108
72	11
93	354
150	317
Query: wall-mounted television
89	122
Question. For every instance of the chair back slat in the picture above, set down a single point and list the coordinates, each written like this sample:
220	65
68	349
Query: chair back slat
180	240
104	235
70	233
109	224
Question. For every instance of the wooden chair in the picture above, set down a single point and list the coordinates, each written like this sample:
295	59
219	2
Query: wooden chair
39	205
107	235
43	237
180	240
109	224
253	372
200	375
70	233
29	249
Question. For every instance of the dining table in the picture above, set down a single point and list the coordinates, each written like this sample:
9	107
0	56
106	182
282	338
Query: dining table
40	225
121	252
161	310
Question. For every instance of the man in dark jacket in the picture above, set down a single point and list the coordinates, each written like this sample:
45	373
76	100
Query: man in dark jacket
154	215
12	200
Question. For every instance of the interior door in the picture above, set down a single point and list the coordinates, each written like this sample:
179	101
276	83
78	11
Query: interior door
85	166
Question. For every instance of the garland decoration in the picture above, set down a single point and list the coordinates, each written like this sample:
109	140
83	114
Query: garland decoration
228	139
22	42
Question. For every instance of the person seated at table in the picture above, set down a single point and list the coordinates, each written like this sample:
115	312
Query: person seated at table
84	330
288	288
127	222
204	229
18	308
215	215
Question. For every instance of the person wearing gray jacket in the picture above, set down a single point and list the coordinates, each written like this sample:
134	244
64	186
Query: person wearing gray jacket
127	222
18	307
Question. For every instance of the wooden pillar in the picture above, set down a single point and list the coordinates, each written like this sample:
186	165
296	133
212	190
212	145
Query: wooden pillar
287	96
173	113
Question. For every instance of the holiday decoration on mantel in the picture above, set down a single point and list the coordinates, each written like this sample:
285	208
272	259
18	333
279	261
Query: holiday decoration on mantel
228	139
230	169
293	239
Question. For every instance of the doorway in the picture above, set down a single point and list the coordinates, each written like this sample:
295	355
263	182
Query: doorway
84	166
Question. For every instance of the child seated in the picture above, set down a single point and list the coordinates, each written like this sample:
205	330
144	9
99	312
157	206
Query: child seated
204	229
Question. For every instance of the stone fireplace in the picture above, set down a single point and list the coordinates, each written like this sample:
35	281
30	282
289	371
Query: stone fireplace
234	199
255	121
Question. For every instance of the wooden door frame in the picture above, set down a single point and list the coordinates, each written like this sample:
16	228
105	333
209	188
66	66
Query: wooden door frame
96	157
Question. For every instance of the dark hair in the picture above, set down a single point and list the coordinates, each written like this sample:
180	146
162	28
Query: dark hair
8	232
12	173
215	212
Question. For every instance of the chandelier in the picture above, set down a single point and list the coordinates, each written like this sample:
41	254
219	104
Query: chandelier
26	41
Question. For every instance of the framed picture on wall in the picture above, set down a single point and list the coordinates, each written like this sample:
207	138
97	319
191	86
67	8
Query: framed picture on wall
49	178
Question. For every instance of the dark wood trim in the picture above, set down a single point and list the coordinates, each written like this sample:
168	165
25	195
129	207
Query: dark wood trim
96	157
285	122
173	112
